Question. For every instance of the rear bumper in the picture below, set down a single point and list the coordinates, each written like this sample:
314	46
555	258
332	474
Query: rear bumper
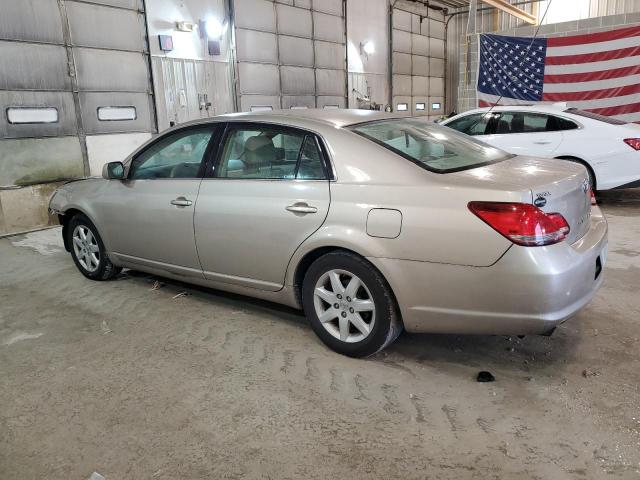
530	290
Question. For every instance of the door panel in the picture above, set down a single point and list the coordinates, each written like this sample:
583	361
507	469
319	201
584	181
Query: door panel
246	235
524	133
150	214
143	224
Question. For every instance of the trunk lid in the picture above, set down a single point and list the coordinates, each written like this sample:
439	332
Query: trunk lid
554	186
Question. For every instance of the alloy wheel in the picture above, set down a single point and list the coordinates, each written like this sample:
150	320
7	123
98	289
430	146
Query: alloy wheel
86	248
344	306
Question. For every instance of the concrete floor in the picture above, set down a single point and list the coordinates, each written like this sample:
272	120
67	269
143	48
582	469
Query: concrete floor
134	383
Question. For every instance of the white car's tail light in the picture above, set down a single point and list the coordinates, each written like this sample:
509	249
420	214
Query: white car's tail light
522	223
633	143
593	197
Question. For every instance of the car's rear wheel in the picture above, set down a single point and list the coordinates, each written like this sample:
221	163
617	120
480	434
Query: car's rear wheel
350	305
88	251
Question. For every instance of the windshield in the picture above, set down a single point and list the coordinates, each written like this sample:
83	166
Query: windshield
438	149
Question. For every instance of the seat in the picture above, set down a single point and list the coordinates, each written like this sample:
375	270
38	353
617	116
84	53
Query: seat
503	127
259	152
517	123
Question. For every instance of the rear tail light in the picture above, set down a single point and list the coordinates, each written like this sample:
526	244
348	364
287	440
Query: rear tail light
593	197
522	223
633	143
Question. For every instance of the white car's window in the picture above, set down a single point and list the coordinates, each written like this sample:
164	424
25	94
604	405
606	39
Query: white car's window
474	124
433	147
270	153
531	122
178	155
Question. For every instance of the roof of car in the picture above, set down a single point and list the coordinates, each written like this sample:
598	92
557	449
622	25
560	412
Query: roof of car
540	107
338	117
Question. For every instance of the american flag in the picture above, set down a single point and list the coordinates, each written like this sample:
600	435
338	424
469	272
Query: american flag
597	72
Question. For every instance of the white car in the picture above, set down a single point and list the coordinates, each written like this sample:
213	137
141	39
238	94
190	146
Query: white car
608	148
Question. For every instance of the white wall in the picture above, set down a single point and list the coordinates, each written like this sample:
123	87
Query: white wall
162	16
183	76
368	20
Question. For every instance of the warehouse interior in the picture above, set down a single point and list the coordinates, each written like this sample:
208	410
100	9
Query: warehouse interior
147	377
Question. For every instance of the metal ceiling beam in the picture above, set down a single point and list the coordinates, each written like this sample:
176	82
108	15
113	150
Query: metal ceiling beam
506	7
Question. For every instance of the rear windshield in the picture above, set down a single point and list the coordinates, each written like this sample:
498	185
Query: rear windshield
595	116
438	149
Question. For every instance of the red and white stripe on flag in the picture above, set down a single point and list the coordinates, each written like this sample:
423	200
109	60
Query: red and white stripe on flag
597	72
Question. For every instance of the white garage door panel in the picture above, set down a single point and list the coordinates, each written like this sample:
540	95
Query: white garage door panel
419	44
256	78
436	48
330	82
61	101
130	4
331	102
90	103
102	70
18	17
293	21
329	55
29	66
436	86
256	46
436	29
436	100
297	80
255	14
96	26
420	65
436	67
334	7
422	101
402	84
406	100
248	101
401	41
302	3
402	63
328	27
420	86
402	20
296	51
308	101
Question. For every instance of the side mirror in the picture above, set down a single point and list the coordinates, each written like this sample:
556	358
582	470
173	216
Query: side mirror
113	171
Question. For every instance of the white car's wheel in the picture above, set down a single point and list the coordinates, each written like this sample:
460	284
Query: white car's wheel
350	305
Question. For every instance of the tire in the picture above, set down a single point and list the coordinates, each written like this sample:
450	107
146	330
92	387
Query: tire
89	253
371	316
592	179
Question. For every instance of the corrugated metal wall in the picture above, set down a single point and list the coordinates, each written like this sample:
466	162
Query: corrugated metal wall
290	53
457	28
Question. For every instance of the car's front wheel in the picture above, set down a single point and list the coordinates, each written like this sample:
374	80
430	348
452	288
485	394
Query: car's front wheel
350	305
88	251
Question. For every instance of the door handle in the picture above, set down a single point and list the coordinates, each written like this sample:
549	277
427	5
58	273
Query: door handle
181	202
301	207
542	142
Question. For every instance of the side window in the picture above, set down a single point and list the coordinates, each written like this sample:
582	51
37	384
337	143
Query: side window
310	166
475	124
270	153
557	123
178	155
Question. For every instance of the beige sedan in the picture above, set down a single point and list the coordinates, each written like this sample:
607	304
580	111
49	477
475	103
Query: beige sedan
369	222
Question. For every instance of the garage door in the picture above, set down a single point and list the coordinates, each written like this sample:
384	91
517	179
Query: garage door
290	54
418	63
62	82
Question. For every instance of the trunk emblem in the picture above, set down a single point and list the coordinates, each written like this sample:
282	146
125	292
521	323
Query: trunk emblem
540	202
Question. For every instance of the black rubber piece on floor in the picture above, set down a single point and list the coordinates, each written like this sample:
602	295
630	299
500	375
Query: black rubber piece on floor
485	377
